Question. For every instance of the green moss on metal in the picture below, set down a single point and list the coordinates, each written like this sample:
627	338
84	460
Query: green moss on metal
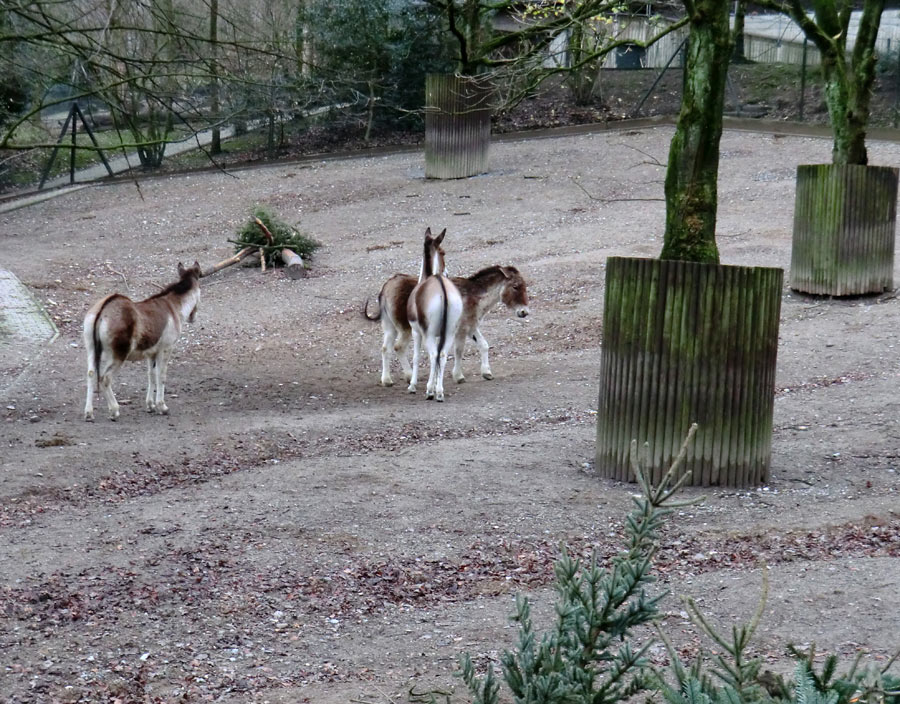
683	343
844	229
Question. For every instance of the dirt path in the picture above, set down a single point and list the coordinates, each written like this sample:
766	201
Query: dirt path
294	532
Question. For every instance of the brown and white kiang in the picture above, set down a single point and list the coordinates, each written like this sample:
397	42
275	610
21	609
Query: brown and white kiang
117	329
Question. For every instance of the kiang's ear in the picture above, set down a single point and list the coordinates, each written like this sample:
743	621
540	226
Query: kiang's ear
505	270
180	269
428	232
440	237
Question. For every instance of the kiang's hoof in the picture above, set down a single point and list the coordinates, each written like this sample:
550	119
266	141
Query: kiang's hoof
389	382
488	376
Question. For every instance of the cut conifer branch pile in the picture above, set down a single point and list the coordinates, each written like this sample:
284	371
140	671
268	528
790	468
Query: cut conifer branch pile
278	243
273	242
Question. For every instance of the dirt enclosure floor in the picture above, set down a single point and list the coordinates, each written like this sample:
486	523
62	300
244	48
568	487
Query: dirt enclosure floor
294	532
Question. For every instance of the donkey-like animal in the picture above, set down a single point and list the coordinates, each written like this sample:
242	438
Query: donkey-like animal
117	329
434	309
480	292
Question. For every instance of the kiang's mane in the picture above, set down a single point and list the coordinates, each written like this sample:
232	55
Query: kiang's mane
490	272
180	287
428	249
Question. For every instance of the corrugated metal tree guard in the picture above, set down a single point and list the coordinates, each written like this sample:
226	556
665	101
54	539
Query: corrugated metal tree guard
457	126
685	342
844	226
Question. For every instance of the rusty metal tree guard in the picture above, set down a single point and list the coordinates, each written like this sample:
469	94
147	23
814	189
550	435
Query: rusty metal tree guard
685	342
844	227
457	126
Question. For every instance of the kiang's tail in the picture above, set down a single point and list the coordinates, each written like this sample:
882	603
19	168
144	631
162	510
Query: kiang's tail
365	310
95	337
443	337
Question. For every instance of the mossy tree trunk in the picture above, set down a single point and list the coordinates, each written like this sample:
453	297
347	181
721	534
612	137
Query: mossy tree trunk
848	84
469	26
693	169
215	146
740	11
848	88
584	71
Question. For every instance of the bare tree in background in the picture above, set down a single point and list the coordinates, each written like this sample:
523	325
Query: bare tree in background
520	58
215	146
156	67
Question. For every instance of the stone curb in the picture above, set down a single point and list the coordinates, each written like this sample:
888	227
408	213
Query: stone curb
26	329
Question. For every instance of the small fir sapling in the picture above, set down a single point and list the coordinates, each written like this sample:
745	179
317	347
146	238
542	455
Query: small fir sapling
590	655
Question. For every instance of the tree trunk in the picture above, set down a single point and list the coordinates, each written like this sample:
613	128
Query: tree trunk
848	85
864	60
216	145
581	79
300	44
370	111
693	169
739	11
848	132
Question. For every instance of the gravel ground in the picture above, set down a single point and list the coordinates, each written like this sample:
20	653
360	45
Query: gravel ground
294	532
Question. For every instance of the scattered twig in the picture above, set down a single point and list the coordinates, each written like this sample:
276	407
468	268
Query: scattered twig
653	160
374	247
428	696
627	200
124	280
609	200
386	697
